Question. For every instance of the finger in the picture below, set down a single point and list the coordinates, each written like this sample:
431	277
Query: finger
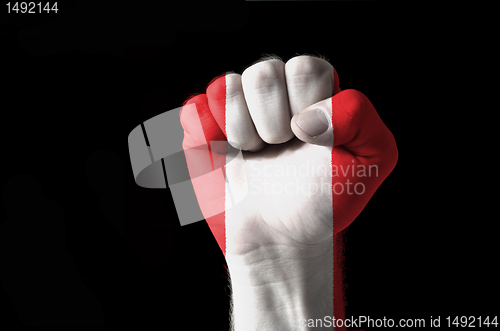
216	96
359	128
226	100
200	129
265	92
313	124
308	80
198	123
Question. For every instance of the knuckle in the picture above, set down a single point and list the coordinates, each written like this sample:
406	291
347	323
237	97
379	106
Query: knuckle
306	67
264	74
354	103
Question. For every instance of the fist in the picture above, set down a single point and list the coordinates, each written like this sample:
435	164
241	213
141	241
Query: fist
279	156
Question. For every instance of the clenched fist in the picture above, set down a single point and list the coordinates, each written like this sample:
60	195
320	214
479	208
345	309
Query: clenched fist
312	155
281	160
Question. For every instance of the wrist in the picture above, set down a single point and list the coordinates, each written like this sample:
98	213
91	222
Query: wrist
274	288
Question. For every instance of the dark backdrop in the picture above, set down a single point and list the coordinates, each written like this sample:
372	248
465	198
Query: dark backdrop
82	244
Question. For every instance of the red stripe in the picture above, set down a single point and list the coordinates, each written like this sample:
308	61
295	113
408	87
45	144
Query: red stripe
216	94
211	194
338	244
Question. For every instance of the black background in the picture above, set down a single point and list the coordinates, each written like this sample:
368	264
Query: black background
82	244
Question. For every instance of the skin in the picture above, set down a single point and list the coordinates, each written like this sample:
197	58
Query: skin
273	215
279	239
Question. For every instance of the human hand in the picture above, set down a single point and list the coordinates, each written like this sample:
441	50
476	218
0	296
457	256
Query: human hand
295	185
297	188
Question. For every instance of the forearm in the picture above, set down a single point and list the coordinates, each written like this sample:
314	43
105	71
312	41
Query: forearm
273	290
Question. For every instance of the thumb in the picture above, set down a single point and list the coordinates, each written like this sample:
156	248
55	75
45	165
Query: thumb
313	124
357	125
